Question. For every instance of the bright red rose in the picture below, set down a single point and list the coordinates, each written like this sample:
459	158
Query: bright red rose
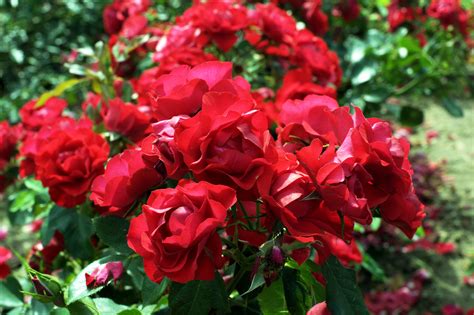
176	232
8	139
160	146
297	84
116	13
5	255
217	20
69	160
181	91
316	117
347	253
176	38
227	142
34	118
184	56
126	178
311	51
289	193
399	13
33	141
126	119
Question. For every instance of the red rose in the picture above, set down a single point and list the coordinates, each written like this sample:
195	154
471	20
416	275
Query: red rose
227	142
328	244
316	117
297	84
42	258
8	140
311	51
33	141
348	9
126	119
116	13
126	178
315	17
219	21
34	118
399	13
319	309
176	232
160	146
291	196
5	255
379	163
68	161
450	12
104	273
180	92
184	56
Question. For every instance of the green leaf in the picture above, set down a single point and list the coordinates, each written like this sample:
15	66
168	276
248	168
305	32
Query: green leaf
410	116
363	72
24	200
57	91
257	281
272	299
452	107
151	291
113	232
369	264
199	297
343	295
84	306
76	228
10	295
297	298
78	288
108	306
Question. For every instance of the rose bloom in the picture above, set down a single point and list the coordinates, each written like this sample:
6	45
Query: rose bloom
5	255
176	234
68	161
126	178
8	139
116	13
315	17
33	118
227	142
290	195
181	91
297	84
126	119
218	21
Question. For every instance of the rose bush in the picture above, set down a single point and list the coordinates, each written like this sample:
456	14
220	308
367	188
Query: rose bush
212	167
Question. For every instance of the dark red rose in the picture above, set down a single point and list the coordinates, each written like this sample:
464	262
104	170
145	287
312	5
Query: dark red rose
348	9
34	118
8	140
176	232
5	255
68	161
42	258
379	163
126	178
315	17
104	273
227	142
126	119
450	12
